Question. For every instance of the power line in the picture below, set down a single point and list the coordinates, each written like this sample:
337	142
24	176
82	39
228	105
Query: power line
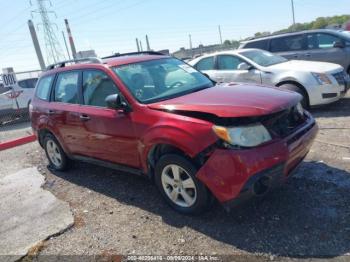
87	17
95	5
14	17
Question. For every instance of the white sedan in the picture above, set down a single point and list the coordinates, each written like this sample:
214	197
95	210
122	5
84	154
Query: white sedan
318	82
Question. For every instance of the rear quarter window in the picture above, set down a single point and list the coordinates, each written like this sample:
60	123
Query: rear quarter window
205	64
44	86
262	44
288	43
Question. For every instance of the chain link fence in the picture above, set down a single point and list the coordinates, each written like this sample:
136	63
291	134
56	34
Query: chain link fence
14	105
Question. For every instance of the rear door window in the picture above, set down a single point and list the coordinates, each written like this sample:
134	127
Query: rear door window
96	87
66	89
205	64
288	43
44	87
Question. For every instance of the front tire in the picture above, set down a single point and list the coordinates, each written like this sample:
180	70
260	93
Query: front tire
55	154
305	101
175	177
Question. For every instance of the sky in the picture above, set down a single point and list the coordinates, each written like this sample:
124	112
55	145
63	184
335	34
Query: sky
110	26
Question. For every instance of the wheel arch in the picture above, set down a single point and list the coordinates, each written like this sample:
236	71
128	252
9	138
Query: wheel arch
159	149
41	136
296	83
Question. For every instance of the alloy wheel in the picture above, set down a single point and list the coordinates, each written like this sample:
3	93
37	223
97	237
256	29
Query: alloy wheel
54	153
178	185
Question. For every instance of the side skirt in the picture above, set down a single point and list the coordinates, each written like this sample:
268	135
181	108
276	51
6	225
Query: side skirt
107	164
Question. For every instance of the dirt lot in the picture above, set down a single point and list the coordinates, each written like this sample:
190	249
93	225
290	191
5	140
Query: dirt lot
122	214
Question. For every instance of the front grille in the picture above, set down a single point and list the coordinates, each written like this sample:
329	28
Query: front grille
285	123
340	77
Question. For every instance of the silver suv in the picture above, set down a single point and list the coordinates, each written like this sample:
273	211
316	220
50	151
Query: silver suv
314	45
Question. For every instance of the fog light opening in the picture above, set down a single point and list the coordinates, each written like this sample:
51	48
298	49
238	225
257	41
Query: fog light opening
262	186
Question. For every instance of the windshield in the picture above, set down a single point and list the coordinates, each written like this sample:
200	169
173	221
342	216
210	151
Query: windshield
162	79
263	58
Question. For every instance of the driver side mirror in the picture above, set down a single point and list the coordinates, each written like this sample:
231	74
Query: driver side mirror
338	44
244	66
117	102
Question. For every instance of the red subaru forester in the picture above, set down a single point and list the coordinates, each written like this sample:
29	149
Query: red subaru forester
154	115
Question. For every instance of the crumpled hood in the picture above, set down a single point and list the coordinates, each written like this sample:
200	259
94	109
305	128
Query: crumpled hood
232	100
307	66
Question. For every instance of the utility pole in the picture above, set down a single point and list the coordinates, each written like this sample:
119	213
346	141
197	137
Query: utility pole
220	35
137	45
71	41
65	43
191	48
293	13
53	49
147	42
36	44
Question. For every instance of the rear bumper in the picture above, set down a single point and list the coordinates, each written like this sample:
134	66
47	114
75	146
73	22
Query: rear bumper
236	175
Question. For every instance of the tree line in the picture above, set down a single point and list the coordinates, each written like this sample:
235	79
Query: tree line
318	23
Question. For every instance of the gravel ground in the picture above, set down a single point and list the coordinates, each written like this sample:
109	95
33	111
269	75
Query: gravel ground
306	218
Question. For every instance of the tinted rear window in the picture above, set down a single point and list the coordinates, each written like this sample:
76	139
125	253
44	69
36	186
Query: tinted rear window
205	64
262	44
44	87
288	43
28	83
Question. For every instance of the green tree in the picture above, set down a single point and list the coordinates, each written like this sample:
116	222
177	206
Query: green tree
320	22
227	43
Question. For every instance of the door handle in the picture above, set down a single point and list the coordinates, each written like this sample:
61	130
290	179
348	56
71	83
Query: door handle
307	54
84	118
51	112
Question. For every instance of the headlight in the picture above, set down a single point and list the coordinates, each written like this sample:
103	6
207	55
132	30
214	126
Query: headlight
246	136
322	79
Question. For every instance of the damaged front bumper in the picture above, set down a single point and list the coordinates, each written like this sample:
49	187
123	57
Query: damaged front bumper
234	176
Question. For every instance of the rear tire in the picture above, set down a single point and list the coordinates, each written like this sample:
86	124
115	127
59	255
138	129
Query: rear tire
305	101
175	177
55	154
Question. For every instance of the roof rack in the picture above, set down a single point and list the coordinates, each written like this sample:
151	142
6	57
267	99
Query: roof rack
134	53
94	60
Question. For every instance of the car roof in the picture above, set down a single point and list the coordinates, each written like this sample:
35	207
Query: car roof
112	61
289	34
228	52
124	60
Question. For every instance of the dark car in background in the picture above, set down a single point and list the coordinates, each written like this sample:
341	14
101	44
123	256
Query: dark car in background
315	45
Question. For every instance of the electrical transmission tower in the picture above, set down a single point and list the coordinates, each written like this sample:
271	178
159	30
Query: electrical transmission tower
54	52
